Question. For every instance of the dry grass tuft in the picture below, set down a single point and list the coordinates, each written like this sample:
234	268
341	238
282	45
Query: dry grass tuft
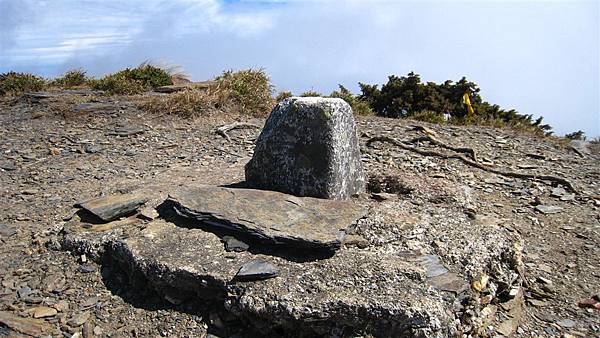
246	92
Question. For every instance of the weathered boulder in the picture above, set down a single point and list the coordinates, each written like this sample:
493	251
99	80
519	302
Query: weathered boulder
269	216
308	147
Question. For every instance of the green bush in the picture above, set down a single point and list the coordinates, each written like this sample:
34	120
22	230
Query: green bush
247	91
576	135
359	107
133	80
406	96
72	78
283	95
311	93
13	83
429	116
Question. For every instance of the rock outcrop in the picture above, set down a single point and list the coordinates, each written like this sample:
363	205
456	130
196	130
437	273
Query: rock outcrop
308	147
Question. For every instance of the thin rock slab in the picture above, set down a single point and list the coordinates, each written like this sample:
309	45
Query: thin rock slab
28	326
308	147
110	208
256	270
548	209
269	216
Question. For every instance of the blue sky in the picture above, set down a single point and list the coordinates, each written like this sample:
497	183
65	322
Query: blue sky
539	57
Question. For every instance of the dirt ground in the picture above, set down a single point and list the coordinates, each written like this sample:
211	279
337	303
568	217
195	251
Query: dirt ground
49	162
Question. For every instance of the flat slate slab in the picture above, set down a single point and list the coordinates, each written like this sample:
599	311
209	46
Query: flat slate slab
269	216
113	207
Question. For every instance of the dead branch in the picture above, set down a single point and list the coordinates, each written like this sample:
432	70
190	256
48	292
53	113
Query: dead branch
222	130
405	145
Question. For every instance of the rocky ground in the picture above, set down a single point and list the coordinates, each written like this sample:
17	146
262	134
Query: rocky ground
503	237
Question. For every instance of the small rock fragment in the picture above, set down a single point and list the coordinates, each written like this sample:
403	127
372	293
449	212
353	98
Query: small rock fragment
79	319
536	303
62	305
25	291
233	244
88	329
591	303
548	209
256	270
566	323
86	268
98	331
480	283
92	149
89	302
44	311
112	207
28	326
6	231
356	240
269	216
7	166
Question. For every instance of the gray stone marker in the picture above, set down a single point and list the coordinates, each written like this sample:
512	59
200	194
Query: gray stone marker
308	147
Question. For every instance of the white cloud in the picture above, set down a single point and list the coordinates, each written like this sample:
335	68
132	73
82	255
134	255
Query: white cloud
64	29
523	55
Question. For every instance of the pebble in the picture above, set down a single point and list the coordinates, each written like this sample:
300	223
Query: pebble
24	291
89	302
566	323
548	209
98	331
537	303
8	166
6	231
88	330
92	149
233	244
44	311
256	270
86	268
62	305
79	319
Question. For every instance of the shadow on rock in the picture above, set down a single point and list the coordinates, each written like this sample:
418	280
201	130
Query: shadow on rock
136	291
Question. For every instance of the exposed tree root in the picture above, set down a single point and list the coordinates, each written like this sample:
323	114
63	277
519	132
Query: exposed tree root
439	143
406	146
222	130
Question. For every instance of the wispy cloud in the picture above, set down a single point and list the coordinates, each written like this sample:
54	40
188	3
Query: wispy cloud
525	55
58	30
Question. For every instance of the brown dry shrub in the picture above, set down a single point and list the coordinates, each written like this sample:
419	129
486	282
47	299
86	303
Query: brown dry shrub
246	92
186	103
